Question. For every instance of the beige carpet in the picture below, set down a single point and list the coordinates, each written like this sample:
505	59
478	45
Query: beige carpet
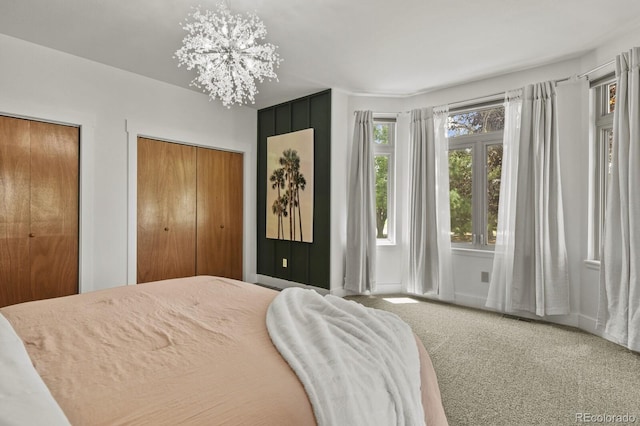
496	370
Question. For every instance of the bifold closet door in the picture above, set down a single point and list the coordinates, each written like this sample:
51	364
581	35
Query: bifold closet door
15	165
39	169
220	215
54	209
166	210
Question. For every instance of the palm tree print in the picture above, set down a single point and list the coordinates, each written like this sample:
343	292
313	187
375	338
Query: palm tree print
288	177
299	183
279	207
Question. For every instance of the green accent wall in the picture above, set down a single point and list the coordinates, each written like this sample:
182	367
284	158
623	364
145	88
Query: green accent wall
308	263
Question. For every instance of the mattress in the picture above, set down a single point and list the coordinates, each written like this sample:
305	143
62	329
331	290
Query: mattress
184	351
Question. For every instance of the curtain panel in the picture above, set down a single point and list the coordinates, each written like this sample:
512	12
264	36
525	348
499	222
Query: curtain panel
361	219
429	247
530	270
619	306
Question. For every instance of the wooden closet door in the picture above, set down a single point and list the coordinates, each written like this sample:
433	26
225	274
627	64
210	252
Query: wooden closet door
54	209
220	216
166	210
14	211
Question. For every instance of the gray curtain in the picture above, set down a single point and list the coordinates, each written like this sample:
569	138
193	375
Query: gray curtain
361	218
619	309
429	223
530	271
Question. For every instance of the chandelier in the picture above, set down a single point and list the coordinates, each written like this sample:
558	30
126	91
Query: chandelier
226	52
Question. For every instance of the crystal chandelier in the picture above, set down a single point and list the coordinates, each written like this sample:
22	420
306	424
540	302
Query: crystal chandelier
226	52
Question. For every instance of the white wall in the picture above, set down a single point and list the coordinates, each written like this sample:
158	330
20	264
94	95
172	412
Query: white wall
37	82
339	154
573	112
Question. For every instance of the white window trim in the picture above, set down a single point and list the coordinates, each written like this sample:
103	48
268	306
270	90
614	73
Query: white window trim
600	122
479	143
390	151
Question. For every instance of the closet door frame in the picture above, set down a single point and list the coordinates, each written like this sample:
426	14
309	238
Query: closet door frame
157	132
86	125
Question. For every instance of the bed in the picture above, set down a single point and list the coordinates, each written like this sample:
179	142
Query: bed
185	351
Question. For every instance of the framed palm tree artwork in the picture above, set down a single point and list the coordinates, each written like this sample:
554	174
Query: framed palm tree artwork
290	186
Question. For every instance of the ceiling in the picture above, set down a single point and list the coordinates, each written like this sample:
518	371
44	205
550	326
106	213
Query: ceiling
360	46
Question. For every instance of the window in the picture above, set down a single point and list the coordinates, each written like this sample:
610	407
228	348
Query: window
475	166
603	105
384	138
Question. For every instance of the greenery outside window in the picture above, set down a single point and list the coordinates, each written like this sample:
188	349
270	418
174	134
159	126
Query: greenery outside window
475	166
603	105
384	142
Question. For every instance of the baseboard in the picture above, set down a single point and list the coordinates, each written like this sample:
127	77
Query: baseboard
470	301
589	325
570	320
250	278
388	288
580	321
282	284
341	292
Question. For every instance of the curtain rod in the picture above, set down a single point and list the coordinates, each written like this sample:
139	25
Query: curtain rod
599	67
485	98
479	99
488	98
452	105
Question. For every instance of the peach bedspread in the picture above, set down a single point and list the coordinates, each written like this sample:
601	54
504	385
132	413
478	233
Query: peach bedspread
186	351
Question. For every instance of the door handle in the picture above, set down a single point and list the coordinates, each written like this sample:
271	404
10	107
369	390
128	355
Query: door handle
31	235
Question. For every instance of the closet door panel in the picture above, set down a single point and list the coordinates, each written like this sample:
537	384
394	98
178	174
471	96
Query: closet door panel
14	211
220	214
166	210
54	266
54	209
14	272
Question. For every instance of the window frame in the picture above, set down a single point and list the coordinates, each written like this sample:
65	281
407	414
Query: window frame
479	144
601	126
388	150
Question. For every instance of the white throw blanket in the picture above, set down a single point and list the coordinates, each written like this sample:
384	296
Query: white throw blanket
24	398
358	365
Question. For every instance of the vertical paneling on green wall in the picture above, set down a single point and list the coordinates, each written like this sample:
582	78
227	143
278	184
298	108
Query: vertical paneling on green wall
308	263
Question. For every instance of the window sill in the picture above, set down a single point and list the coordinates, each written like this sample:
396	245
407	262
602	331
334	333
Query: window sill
459	251
385	243
592	264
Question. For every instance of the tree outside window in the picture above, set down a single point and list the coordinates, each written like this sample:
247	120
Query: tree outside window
475	167
384	150
460	194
